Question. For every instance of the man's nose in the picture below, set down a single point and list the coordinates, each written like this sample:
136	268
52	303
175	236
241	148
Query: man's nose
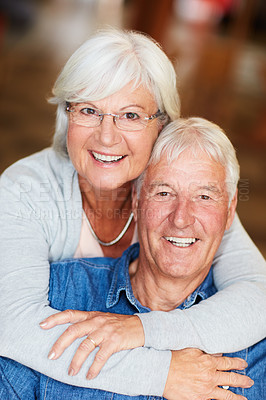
109	134
182	214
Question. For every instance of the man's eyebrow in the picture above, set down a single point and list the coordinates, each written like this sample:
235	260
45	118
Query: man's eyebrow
209	188
157	184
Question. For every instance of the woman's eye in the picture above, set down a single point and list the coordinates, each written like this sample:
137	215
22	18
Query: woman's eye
88	111
131	116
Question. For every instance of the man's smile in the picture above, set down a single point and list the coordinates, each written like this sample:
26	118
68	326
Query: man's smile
181	241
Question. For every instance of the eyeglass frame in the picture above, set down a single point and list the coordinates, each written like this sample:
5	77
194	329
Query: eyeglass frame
115	117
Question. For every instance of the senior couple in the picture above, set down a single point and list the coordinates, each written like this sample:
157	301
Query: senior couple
114	96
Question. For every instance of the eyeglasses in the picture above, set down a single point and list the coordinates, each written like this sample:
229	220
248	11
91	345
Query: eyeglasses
83	115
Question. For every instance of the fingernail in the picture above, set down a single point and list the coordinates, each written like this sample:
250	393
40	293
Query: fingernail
251	383
71	372
42	324
245	364
51	355
89	376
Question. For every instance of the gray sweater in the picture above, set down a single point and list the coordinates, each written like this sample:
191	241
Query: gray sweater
40	222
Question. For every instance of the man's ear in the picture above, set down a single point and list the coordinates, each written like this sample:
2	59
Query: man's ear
135	203
231	211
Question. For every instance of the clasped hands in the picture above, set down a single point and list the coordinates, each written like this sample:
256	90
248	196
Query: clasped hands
193	374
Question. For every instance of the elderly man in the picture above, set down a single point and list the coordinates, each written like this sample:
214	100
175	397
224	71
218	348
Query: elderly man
184	201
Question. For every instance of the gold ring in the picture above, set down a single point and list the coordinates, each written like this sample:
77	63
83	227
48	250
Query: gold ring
92	341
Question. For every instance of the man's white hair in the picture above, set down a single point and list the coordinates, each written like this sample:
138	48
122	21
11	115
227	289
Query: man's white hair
197	135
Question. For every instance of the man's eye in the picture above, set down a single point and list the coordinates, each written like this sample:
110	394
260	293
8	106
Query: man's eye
204	197
130	116
163	194
88	111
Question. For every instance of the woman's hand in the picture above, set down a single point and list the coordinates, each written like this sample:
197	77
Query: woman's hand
110	332
195	375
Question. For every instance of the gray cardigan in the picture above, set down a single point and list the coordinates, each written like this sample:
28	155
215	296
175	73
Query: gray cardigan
40	222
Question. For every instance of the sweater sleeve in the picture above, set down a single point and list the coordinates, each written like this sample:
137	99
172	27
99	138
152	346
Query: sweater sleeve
224	322
29	231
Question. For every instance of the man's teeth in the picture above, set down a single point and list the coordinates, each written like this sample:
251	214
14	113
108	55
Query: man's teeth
180	242
104	158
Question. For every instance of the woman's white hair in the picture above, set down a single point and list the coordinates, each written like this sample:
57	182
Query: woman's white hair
107	62
197	135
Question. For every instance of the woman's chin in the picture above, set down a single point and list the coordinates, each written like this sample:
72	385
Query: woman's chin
105	185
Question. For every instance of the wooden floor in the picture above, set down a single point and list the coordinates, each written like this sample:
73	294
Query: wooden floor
219	78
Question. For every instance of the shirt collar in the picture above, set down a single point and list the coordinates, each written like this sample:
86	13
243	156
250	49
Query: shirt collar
121	282
203	291
121	279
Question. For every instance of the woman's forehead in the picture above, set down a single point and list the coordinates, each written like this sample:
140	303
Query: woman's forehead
130	91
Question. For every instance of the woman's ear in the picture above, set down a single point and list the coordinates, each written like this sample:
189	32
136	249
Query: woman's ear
134	202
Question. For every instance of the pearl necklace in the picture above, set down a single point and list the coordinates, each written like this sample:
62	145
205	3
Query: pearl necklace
121	234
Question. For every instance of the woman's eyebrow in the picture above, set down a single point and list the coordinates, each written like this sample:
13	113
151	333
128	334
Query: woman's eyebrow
87	104
132	105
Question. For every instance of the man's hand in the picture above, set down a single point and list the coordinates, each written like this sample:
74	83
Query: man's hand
195	375
110	332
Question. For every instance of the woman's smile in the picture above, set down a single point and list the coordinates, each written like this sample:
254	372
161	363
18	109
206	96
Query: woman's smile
106	158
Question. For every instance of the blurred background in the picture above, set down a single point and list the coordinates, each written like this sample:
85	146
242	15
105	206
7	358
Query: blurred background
218	50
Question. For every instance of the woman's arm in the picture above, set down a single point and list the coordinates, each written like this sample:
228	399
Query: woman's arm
29	230
224	322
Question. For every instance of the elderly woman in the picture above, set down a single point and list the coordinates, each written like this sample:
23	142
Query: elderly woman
114	96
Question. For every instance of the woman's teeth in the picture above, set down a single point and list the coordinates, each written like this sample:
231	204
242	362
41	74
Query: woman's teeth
104	158
181	242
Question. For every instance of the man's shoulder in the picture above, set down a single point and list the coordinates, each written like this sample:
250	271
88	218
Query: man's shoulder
80	283
83	271
92	272
90	263
97	263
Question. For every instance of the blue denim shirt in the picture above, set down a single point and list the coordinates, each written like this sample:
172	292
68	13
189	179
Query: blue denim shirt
103	284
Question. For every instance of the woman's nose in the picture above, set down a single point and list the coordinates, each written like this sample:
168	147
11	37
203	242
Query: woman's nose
109	134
